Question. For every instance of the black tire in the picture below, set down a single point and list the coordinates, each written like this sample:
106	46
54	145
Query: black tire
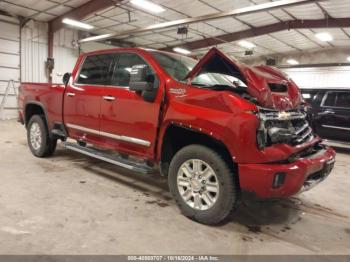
228	188
47	146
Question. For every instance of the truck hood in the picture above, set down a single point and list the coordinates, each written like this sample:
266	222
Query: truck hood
271	87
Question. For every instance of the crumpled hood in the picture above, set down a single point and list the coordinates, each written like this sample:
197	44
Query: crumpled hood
270	86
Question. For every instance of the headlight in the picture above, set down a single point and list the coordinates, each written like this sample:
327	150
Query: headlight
280	135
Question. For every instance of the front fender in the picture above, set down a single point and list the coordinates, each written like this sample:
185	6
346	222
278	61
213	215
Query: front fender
210	122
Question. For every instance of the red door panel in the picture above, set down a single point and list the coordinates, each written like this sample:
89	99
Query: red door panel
83	98
129	123
82	111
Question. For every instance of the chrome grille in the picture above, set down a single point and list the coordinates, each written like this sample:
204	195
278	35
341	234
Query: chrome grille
293	120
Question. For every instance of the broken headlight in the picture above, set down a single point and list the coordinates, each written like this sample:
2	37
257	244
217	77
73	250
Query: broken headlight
282	127
281	135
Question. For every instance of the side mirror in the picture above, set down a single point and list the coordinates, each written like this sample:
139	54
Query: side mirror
66	78
143	83
140	80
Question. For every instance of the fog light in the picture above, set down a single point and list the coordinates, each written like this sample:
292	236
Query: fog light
279	179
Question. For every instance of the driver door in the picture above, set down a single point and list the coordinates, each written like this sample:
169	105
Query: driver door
128	123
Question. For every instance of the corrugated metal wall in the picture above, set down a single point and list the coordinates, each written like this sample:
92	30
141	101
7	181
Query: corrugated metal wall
35	52
65	53
9	64
23	56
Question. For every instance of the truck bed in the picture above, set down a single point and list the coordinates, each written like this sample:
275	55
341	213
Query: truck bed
46	95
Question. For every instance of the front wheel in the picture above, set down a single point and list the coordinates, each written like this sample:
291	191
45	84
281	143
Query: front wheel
202	184
40	144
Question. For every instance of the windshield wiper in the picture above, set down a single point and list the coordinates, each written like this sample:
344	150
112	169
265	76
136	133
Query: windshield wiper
200	84
213	86
223	87
237	89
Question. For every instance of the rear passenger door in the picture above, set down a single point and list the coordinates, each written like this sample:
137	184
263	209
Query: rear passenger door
82	99
128	122
334	116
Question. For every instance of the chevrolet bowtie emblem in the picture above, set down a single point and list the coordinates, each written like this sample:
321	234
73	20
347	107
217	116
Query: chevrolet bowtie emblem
283	115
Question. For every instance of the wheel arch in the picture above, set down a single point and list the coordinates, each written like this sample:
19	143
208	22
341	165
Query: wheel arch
176	137
34	108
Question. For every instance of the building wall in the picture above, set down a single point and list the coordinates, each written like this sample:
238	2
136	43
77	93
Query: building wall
316	76
23	54
35	52
93	46
324	56
9	65
65	53
321	77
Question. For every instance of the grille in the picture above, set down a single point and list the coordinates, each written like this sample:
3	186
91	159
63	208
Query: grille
293	121
303	133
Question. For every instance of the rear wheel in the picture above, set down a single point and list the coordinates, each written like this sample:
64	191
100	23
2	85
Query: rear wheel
202	184
40	144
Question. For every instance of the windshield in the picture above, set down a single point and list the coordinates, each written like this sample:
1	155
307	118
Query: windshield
178	67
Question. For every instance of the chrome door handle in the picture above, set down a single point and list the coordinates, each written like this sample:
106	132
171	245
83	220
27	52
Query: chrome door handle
109	98
70	94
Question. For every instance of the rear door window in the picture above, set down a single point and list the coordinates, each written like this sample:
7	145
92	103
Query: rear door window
96	70
330	99
343	99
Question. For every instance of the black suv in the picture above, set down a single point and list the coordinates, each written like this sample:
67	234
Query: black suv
329	113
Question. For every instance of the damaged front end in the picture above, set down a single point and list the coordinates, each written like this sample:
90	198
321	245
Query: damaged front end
277	98
282	118
283	127
269	87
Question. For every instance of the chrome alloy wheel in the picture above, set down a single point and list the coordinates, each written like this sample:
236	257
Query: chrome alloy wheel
198	184
35	136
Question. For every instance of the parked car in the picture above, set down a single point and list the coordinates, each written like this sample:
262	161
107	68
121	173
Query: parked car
215	128
329	113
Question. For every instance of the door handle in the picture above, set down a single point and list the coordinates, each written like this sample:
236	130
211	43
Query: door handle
109	98
327	112
70	94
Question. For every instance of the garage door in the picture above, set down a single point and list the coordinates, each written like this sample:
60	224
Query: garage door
9	66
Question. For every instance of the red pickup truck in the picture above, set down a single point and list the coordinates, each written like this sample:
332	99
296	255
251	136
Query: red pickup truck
215	128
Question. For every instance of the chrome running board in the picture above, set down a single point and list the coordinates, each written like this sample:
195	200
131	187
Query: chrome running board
110	158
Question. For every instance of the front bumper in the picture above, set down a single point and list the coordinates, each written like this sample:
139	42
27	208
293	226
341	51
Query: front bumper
300	175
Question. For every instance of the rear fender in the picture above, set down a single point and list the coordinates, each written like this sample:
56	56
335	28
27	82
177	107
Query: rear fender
26	112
